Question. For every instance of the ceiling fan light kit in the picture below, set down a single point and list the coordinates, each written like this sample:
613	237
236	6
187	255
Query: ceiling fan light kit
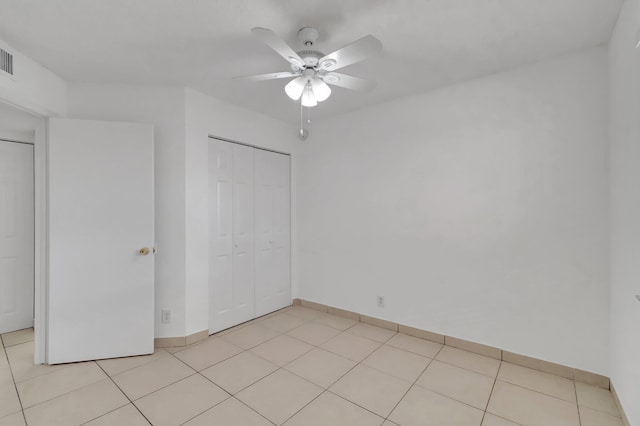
308	98
313	71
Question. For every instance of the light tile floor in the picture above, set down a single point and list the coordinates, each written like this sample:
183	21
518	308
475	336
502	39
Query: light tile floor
296	367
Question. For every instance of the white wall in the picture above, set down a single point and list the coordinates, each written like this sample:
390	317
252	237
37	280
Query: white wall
624	133
34	87
164	107
478	210
183	120
207	116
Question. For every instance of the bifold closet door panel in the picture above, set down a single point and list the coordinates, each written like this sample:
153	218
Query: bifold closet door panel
243	232
231	293
272	236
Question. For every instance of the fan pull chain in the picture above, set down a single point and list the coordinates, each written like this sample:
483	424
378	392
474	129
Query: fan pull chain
304	132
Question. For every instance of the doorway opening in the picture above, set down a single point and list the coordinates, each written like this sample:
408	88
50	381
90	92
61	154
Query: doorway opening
18	131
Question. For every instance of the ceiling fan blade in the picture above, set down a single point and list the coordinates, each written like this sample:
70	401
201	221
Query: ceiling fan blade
357	51
277	44
270	76
348	81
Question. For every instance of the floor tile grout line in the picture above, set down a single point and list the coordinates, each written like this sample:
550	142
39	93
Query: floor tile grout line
356	363
135	356
493	386
465	368
306	380
285	333
449	397
15	384
220	334
270	374
125	395
402	350
229	341
514	384
61	366
352	360
541	393
393	375
412	385
575	390
347	372
210	408
356	404
365	337
416	353
454	399
3	337
504	418
315	346
64	393
162	387
281	366
16	344
108	412
305	405
243	351
215	363
252	409
240	390
325	390
380	345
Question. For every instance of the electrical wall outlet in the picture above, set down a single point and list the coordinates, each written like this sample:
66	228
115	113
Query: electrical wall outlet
380	301
166	316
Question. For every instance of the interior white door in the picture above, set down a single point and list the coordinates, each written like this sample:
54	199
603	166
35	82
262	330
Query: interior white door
231	231
101	286
16	236
272	235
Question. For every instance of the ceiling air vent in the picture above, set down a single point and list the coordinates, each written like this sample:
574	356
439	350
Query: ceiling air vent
6	62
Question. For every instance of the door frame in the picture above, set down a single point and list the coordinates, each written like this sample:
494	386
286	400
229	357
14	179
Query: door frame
32	144
252	146
41	242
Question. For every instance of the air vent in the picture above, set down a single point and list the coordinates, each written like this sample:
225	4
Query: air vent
6	62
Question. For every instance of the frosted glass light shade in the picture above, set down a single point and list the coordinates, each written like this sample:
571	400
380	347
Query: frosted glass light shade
321	90
295	88
308	98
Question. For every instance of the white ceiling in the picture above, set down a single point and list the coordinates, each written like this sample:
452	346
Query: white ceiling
203	43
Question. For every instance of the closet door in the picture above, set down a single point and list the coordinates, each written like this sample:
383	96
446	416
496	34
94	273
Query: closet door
272	213
231	250
16	236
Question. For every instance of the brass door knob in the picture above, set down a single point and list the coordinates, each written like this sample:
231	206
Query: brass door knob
144	251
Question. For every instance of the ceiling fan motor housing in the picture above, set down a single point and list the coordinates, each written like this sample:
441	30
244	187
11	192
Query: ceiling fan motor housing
308	36
310	57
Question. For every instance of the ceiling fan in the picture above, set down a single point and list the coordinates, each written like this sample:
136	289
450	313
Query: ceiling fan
313	71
